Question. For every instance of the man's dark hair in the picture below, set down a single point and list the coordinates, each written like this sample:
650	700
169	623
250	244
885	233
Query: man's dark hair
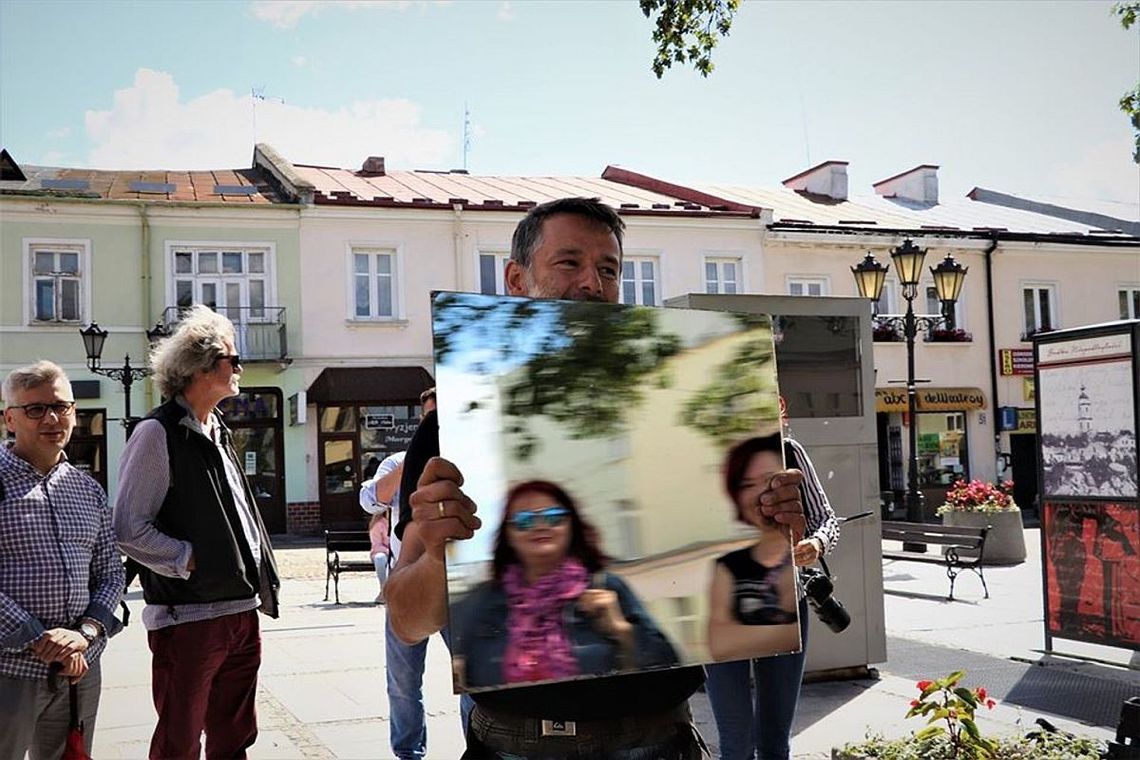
585	544
529	232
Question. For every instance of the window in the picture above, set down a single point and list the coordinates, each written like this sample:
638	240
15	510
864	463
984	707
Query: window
492	268
639	281
1129	302
807	286
686	621
722	276
887	301
1040	303
934	306
235	281
58	280
373	283
629	530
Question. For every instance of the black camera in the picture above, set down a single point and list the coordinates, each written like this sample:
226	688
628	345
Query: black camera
818	588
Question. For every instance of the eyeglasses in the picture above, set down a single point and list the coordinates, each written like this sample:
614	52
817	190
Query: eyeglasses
37	411
233	359
548	517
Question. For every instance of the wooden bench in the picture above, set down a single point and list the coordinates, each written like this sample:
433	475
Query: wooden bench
337	541
962	548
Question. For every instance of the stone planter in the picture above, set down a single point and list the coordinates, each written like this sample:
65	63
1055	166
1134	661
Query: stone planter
1005	543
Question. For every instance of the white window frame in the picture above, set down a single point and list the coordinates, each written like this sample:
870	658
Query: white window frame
502	256
196	247
888	302
629	517
959	312
81	246
720	259
805	282
1131	289
637	259
686	621
1054	305
397	274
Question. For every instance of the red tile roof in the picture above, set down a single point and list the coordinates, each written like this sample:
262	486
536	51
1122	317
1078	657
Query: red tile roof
186	186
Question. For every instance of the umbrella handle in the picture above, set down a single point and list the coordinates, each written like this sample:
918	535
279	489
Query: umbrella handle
73	698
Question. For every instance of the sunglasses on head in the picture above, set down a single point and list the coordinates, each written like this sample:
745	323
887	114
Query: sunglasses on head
548	516
37	411
233	359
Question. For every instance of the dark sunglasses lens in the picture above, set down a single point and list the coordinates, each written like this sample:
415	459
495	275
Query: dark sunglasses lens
523	520
554	516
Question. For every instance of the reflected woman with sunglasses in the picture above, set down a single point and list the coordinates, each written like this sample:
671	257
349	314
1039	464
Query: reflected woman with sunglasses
550	612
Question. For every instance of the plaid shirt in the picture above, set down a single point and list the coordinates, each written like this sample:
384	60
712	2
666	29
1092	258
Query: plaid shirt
58	560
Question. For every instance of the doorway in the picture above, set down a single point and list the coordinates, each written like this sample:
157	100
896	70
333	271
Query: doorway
255	420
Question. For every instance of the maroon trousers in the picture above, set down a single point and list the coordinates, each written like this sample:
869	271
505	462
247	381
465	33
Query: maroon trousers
204	678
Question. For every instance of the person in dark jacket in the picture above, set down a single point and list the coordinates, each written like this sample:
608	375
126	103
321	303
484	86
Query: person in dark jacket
186	513
549	612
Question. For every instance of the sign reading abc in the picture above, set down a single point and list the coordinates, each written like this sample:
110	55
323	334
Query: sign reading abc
930	399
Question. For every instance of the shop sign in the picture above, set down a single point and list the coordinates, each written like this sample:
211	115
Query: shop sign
1007	419
930	399
1026	421
1016	361
1029	388
379	421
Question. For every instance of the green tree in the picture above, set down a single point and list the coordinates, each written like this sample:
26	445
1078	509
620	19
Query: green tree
686	31
1129	12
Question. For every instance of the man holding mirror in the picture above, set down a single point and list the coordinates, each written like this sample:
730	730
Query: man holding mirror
569	249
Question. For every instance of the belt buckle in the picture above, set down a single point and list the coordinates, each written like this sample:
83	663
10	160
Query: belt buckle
559	728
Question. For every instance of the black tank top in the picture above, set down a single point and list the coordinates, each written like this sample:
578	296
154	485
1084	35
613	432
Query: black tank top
756	591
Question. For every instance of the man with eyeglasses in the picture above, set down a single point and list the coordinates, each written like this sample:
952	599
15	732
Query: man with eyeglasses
186	513
568	249
61	576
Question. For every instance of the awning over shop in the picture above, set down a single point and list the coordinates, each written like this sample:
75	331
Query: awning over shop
362	385
930	399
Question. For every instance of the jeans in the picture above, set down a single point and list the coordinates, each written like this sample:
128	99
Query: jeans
757	721
405	666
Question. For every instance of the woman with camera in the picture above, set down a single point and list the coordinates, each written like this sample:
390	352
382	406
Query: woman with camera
757	722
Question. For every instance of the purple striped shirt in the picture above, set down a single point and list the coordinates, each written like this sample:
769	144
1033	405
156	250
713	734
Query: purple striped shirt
58	560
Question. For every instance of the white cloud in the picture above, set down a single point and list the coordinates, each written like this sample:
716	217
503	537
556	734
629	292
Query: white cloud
59	134
299	61
506	12
285	14
150	126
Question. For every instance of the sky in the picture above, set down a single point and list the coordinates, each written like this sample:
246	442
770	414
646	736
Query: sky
1012	96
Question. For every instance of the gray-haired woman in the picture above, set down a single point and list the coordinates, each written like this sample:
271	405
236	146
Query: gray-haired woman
185	512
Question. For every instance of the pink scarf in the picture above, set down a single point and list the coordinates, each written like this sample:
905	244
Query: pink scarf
537	646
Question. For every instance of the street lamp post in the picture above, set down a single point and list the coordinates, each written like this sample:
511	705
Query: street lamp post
949	276
93	340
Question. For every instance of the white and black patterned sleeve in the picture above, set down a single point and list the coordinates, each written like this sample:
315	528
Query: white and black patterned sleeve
820	517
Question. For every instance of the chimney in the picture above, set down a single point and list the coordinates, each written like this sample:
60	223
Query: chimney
373	166
918	185
828	179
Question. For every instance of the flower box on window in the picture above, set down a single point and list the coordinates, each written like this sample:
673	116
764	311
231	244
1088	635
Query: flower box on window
885	334
949	335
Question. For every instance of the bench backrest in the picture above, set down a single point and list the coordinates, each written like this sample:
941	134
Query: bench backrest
933	534
347	541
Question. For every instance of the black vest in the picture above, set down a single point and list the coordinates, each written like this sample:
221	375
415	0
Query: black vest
199	508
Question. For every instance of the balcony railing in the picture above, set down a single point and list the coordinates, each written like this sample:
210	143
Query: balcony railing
260	331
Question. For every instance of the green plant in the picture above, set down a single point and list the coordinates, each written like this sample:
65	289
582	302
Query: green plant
978	496
943	701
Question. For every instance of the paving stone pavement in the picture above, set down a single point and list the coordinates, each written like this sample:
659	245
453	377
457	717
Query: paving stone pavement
322	691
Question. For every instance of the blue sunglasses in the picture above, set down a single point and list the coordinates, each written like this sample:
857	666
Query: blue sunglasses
528	518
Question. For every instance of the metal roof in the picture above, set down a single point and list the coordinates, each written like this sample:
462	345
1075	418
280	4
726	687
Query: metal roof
437	189
192	186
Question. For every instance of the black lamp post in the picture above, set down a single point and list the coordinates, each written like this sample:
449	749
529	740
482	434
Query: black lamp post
93	340
949	276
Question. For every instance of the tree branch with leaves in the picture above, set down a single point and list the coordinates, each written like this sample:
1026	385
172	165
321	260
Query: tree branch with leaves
688	30
1129	12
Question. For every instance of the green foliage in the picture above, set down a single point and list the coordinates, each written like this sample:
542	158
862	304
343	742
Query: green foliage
741	397
1129	12
944	701
687	31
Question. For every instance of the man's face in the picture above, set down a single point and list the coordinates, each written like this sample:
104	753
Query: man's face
577	259
42	440
429	406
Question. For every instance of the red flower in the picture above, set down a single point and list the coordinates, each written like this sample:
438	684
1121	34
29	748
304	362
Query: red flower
915	703
924	685
990	704
981	693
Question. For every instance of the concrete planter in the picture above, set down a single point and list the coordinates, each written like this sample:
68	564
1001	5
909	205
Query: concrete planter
1005	543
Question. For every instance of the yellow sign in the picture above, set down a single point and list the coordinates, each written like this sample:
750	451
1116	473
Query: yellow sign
930	399
1026	421
1028	388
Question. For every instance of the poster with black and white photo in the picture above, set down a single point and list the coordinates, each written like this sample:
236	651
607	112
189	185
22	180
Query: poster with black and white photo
1088	420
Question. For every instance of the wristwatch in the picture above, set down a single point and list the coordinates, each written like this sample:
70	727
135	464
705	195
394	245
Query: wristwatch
89	631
